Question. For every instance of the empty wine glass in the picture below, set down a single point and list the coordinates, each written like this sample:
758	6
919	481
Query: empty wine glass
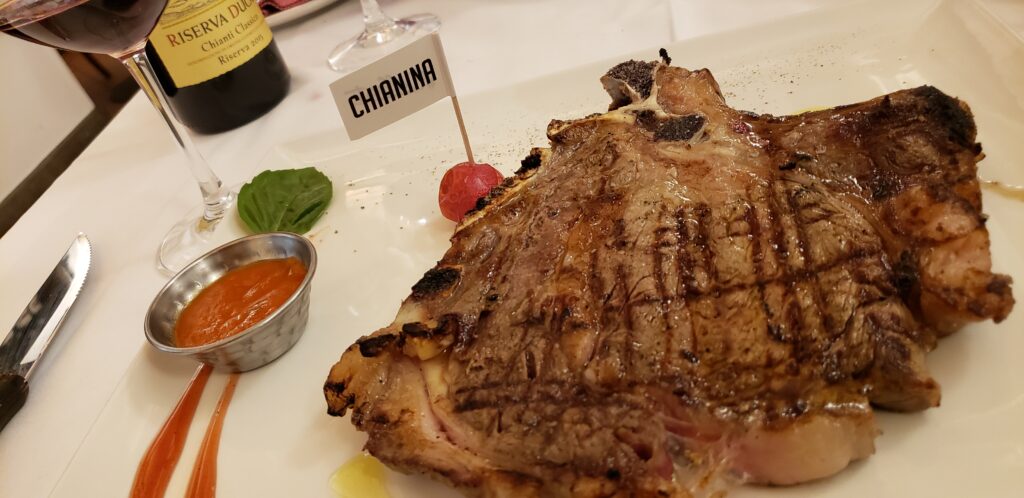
381	35
120	29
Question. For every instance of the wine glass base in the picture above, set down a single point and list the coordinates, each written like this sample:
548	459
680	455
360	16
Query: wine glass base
373	44
195	236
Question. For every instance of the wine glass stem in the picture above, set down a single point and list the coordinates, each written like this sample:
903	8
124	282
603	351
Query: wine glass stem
215	198
374	18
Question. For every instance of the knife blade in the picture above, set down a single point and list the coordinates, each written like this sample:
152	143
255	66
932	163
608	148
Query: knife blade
37	325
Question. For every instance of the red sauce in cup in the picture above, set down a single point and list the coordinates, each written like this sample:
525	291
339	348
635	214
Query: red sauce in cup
238	300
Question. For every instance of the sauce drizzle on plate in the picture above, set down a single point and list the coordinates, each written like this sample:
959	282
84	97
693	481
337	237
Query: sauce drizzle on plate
203	483
156	467
230	305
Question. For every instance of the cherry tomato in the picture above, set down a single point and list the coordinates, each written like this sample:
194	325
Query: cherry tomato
462	185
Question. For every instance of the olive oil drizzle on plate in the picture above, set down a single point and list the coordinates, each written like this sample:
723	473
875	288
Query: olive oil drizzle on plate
360	477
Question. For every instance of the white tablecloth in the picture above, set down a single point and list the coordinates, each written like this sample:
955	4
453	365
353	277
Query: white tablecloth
131	184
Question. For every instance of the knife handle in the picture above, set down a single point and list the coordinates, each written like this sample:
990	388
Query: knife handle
13	393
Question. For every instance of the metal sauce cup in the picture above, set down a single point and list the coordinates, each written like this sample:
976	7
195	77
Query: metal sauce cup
261	343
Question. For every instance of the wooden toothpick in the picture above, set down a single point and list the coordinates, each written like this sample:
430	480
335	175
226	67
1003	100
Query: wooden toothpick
462	128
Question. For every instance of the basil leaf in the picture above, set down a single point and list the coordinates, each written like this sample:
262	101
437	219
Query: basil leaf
289	200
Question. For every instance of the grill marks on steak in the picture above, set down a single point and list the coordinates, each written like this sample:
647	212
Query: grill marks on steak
911	158
676	290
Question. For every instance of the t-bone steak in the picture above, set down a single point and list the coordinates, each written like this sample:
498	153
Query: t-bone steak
677	292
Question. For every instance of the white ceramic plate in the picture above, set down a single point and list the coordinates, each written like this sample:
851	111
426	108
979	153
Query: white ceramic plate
383	231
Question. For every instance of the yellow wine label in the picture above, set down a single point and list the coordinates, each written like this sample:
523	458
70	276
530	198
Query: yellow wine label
198	40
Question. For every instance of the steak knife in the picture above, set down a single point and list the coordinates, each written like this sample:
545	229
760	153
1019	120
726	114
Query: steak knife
38	323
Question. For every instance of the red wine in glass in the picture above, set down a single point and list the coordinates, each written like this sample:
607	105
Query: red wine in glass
120	28
114	27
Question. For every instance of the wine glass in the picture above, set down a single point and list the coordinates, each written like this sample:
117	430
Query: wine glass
381	35
120	28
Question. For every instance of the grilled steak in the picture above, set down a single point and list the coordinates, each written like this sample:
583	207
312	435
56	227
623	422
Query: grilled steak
676	291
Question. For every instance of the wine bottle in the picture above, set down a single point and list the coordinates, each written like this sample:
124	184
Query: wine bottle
217	62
